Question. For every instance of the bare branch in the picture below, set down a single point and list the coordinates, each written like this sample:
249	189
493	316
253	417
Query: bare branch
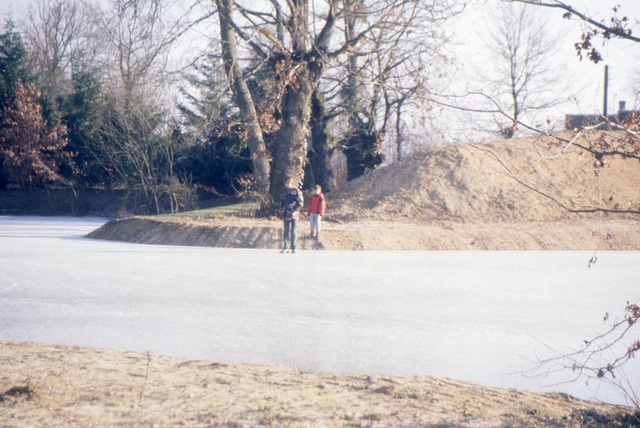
549	197
602	357
556	4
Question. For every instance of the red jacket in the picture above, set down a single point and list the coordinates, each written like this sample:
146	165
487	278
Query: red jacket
317	204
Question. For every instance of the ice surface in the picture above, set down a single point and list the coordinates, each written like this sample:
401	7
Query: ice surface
479	316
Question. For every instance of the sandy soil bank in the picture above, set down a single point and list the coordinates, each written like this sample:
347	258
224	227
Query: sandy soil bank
49	385
239	232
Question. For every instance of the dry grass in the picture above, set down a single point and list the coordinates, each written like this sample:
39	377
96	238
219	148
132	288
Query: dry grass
73	386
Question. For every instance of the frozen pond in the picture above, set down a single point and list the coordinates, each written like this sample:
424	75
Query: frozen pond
479	316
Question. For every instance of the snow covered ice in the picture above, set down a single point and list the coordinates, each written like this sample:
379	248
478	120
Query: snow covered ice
478	316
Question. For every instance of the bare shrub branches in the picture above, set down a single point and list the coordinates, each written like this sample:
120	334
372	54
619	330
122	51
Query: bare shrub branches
605	356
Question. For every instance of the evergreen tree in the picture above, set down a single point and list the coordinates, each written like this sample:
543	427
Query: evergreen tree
80	112
362	148
13	68
217	156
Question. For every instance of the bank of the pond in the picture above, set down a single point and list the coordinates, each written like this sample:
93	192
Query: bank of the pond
519	194
243	232
53	385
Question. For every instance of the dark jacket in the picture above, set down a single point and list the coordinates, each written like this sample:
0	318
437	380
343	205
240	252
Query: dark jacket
292	202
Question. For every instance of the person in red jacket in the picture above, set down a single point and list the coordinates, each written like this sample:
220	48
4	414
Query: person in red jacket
316	209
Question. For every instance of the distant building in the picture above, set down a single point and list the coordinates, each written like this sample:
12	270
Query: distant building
578	121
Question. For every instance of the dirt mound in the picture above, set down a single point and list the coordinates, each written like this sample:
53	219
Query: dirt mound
506	181
509	195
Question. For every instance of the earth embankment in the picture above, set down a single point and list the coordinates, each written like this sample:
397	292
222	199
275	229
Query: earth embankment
56	385
521	194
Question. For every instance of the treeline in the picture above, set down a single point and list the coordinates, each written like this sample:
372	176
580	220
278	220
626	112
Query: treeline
90	97
79	132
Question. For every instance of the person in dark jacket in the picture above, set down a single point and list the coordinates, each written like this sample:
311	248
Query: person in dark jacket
292	202
316	209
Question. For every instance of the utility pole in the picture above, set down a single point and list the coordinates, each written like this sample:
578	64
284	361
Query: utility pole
606	91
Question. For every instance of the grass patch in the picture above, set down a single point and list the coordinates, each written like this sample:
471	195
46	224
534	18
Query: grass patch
224	209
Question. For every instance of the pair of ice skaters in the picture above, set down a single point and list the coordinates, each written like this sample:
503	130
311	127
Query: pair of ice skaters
292	203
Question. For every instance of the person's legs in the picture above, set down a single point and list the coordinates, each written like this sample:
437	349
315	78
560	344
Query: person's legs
287	227
294	234
313	222
318	221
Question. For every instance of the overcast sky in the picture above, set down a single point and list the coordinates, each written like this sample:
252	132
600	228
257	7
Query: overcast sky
622	57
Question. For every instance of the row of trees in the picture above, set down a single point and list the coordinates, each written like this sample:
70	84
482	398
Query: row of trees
78	103
94	96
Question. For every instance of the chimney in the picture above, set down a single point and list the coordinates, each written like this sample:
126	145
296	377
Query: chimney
622	107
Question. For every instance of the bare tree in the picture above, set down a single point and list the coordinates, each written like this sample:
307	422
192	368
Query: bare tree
282	37
618	26
243	98
391	70
298	42
58	33
140	158
517	81
523	75
135	141
137	37
137	42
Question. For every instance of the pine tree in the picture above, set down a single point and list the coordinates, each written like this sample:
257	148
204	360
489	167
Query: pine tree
13	68
80	110
218	156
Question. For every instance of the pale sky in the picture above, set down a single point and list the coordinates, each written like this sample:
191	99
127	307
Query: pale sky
622	57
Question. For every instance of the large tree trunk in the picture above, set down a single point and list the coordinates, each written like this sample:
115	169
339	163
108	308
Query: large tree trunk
321	145
243	99
300	74
362	147
290	153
